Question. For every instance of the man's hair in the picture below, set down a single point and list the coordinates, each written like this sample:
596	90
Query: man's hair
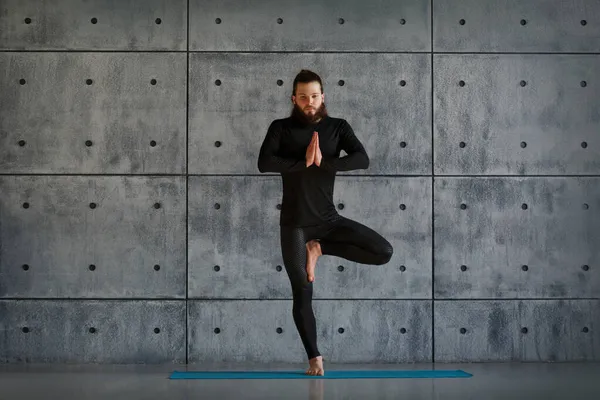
306	76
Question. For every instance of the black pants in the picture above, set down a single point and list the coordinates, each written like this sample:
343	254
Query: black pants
341	237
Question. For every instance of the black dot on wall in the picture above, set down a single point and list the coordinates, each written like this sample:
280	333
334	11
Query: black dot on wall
403	144
94	20
279	20
524	206
463	330
341	21
153	143
462	144
217	330
341	330
22	143
88	143
26	205
22	81
218	143
156	206
523	83
523	22
583	22
25	267
341	82
523	144
341	206
463	268
584	144
278	268
340	268
153	81
218	82
157	267
217	268
279	330
92	205
217	206
461	83
462	22
583	83
92	330
525	268
158	21
218	20
27	20
25	329
402	331
156	330
92	267
402	268
279	82
463	206
402	206
402	83
88	81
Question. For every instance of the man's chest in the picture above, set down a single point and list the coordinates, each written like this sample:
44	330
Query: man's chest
296	141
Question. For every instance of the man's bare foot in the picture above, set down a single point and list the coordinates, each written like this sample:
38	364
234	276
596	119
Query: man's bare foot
315	366
313	251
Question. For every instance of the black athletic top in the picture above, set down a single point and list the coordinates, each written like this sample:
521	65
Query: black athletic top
308	192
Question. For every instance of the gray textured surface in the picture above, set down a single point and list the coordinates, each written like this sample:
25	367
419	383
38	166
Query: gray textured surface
411	129
494	237
67	25
310	25
121	112
492	113
495	26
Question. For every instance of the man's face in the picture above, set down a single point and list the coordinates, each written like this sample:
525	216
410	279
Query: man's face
308	98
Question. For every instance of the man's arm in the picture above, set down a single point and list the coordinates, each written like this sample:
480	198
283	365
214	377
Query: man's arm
269	161
357	157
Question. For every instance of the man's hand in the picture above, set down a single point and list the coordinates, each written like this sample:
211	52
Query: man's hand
310	150
318	155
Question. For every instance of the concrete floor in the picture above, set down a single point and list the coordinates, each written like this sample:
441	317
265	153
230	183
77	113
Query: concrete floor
490	381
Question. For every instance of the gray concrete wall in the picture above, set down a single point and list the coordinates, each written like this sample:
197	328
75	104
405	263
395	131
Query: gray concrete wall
136	228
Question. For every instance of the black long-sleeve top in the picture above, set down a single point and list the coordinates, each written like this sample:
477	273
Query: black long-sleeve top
308	191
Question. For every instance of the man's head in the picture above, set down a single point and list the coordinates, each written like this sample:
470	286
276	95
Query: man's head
308	97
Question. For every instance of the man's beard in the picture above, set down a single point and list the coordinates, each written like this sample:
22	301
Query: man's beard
300	115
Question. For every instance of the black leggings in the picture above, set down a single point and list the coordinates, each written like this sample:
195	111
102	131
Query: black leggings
341	237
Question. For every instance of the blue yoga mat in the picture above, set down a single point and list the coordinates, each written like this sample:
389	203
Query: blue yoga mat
300	374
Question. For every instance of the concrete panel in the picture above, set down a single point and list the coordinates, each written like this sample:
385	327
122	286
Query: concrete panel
492	25
111	332
294	25
556	330
56	111
68	24
507	128
59	235
237	112
241	237
350	331
555	236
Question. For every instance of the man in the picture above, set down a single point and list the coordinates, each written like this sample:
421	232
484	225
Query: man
305	149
